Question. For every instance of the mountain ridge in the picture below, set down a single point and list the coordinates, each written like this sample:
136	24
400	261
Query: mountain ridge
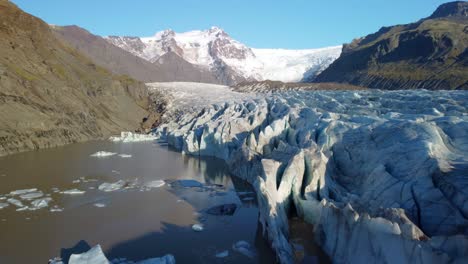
53	95
431	53
216	51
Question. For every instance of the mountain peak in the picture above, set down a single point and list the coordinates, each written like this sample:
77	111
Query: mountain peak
165	33
451	9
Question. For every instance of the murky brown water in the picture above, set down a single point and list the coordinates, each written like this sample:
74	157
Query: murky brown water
134	224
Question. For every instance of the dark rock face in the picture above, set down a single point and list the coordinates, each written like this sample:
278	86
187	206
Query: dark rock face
50	94
452	9
111	57
430	54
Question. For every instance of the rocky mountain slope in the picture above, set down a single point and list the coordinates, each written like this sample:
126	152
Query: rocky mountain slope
51	95
431	53
167	68
226	58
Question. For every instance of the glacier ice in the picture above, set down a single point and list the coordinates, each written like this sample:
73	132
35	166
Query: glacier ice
96	256
155	184
381	173
73	192
15	202
244	248
31	195
222	254
132	137
40	203
110	187
197	227
103	154
23	191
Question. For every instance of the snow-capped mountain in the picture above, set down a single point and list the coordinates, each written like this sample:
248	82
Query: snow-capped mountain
215	50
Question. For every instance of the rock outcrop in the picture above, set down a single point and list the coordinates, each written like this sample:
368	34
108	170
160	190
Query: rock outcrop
380	175
431	54
52	95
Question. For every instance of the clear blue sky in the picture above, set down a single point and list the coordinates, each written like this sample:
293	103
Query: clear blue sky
291	24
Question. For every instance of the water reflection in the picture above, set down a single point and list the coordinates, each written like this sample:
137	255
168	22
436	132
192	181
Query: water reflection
133	224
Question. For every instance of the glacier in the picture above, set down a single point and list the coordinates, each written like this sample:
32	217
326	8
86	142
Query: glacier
381	175
214	49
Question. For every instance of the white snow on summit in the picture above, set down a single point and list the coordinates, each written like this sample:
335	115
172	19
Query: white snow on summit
214	49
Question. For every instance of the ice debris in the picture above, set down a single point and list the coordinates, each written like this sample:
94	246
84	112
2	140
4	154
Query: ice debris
96	256
197	227
244	248
222	254
155	184
132	137
73	192
103	154
110	187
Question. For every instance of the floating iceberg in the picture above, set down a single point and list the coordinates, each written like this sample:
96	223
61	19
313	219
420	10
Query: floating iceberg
15	202
125	155
197	227
110	187
3	205
244	248
155	184
73	192
100	205
40	203
31	195
23	191
103	154
222	254
96	256
132	137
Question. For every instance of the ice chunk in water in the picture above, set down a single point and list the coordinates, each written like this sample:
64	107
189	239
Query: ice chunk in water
73	192
100	205
125	155
23	191
31	195
222	254
197	227
15	202
40	203
110	187
167	259
56	209
244	248
155	184
94	256
3	205
101	154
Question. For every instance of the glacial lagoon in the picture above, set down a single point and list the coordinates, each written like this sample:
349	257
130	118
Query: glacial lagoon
140	220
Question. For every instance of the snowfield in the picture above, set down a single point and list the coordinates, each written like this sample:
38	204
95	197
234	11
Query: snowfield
382	175
213	49
190	96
